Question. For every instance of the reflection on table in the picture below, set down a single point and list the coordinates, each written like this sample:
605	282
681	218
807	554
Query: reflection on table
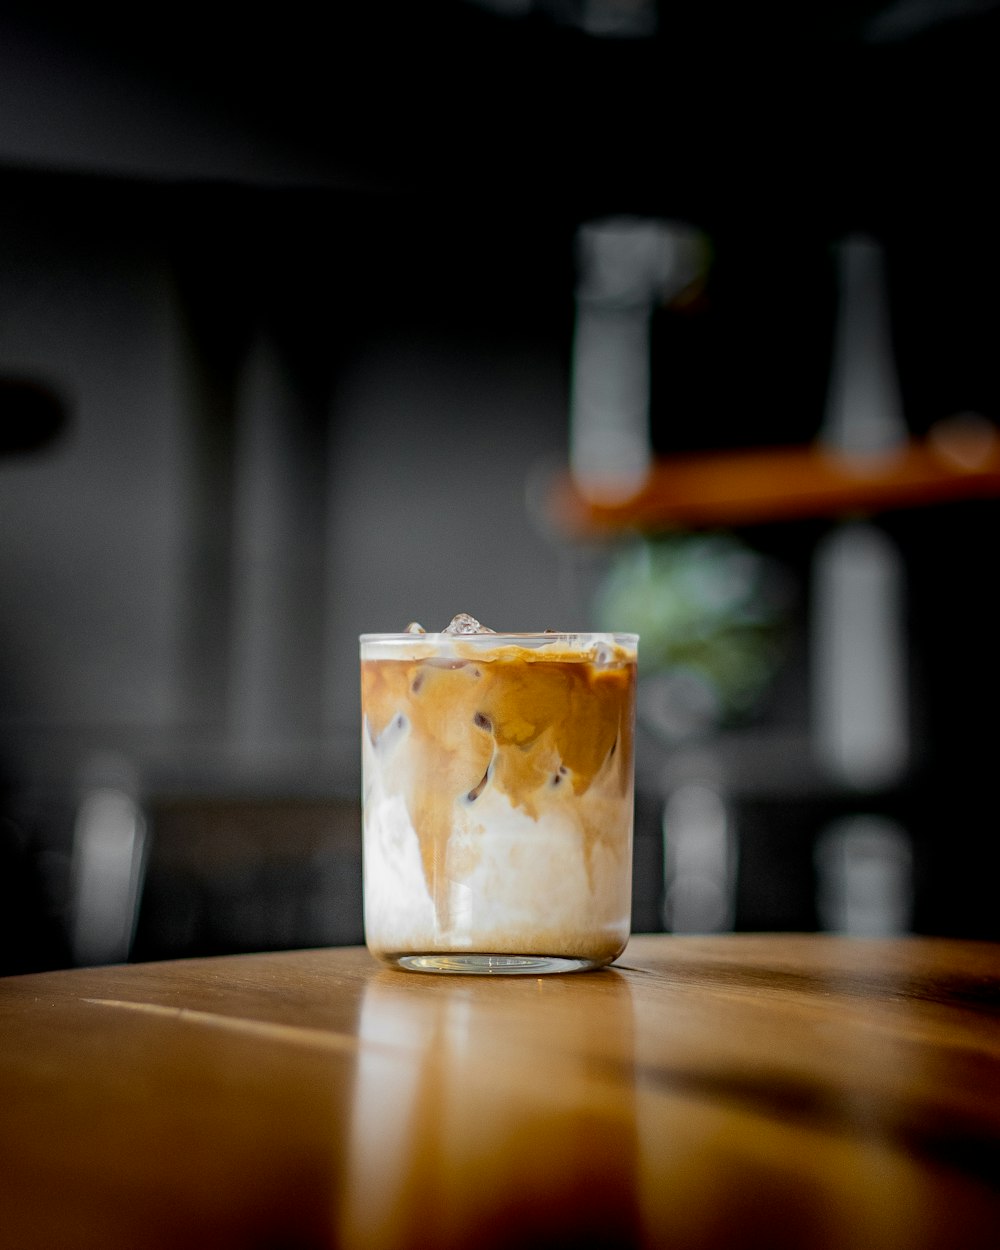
731	1091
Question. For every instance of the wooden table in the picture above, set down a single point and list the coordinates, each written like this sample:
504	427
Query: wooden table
730	1092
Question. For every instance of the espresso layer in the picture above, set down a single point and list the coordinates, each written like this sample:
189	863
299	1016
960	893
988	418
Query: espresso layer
541	731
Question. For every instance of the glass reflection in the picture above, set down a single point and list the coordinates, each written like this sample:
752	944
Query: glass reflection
489	1115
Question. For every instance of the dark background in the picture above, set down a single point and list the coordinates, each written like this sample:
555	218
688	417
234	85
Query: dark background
386	196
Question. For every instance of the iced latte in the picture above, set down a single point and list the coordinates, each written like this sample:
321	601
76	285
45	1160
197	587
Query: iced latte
498	798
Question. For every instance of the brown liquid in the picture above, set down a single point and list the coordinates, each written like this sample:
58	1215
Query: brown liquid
542	731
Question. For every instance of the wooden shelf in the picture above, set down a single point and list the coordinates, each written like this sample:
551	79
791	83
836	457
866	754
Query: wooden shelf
783	484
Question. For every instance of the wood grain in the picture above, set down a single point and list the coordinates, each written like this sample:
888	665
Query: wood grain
737	1092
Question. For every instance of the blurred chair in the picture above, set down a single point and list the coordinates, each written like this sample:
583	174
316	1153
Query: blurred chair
233	874
177	876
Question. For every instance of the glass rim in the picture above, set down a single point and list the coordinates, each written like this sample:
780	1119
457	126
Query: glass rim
578	636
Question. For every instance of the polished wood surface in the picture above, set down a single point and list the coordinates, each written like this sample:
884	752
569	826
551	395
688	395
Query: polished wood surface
733	1092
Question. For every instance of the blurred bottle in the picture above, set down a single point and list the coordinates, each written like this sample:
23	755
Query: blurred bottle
860	692
864	877
626	266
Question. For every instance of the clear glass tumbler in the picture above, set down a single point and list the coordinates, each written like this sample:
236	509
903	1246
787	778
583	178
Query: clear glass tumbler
498	799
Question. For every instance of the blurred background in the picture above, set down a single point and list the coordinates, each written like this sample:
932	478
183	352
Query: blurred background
565	313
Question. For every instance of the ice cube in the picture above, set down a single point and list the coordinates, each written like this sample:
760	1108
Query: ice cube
415	627
463	623
603	655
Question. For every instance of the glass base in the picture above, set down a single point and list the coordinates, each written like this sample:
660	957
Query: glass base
494	965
